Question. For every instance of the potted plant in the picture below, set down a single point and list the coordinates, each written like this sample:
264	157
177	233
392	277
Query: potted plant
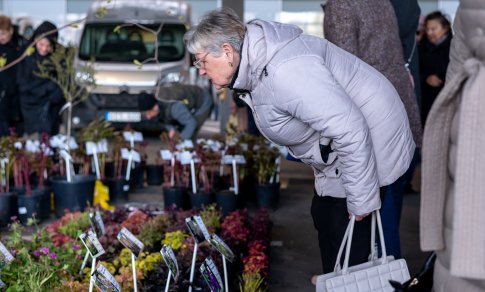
176	176
207	169
264	164
8	198
71	192
117	183
29	161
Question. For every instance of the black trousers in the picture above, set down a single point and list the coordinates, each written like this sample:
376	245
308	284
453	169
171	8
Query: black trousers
330	217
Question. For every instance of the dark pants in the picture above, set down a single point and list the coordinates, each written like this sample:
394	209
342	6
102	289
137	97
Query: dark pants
330	217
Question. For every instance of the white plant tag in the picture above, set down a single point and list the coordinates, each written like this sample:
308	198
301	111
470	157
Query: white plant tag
185	157
6	257
188	144
91	148
102	146
227	159
197	228
104	280
97	224
166	154
32	146
170	260
221	247
130	241
211	275
136	136
125	154
92	243
22	210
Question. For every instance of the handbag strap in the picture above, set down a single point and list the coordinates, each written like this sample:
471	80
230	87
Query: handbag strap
347	241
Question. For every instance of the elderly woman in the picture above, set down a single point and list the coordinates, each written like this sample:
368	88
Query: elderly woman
331	110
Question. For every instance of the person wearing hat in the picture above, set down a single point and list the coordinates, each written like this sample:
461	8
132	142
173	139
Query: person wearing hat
178	107
11	48
40	98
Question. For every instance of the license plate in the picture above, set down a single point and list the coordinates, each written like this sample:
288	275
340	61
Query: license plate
123	116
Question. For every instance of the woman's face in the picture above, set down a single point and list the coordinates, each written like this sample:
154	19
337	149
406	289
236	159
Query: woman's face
435	31
219	70
43	47
5	36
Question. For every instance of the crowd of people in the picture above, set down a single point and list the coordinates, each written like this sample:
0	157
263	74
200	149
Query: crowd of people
360	106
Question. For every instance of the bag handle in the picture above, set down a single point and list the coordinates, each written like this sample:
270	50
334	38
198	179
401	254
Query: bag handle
347	241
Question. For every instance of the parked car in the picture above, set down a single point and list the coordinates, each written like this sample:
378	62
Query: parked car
116	43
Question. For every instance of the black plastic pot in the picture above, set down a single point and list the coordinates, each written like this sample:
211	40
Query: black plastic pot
267	195
8	207
174	197
227	201
137	176
74	195
118	189
39	202
201	199
154	174
30	205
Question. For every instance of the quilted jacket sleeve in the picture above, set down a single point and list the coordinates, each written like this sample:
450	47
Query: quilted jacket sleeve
306	90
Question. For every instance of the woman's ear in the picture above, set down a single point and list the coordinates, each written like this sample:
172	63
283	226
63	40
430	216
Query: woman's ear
228	50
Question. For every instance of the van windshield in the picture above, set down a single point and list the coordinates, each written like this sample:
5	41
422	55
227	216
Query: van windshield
99	40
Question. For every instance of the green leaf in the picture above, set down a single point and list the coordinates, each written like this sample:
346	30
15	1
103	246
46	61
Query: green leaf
101	12
138	63
3	61
30	51
117	29
74	25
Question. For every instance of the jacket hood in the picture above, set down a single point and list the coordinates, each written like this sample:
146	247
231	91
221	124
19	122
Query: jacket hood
45	27
262	41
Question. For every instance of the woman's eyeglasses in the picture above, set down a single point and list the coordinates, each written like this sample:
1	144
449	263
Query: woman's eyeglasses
200	63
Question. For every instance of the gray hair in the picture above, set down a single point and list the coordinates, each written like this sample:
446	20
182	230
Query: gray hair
214	29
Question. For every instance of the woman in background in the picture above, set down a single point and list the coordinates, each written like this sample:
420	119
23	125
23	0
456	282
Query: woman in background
434	51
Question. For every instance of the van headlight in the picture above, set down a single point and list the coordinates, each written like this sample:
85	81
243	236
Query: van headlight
171	77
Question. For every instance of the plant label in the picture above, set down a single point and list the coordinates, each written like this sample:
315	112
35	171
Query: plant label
97	224
99	147
170	260
227	159
197	228
92	243
188	144
133	136
60	141
211	275
130	241
104	280
166	154
222	247
185	157
5	256
135	156
22	210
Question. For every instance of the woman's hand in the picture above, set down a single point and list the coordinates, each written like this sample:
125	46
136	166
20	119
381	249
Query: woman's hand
434	81
359	217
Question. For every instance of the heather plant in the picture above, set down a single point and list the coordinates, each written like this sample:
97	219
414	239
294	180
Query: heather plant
135	221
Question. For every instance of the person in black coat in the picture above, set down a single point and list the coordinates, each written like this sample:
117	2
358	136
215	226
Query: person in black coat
11	48
40	98
434	51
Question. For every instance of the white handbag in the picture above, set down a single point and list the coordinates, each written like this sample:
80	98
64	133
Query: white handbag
373	275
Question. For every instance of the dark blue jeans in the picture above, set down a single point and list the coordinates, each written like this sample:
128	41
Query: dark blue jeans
391	217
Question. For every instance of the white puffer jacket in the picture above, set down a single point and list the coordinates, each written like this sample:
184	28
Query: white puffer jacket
306	92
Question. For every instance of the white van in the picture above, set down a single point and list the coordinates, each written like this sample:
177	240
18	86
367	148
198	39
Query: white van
115	41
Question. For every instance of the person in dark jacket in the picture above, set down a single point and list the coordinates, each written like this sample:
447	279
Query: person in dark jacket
177	106
40	98
11	47
434	51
